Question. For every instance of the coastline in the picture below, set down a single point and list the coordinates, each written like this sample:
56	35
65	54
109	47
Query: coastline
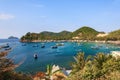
109	42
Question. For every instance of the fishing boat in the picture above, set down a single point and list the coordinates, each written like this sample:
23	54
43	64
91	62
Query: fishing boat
95	47
5	46
60	44
54	47
43	46
8	48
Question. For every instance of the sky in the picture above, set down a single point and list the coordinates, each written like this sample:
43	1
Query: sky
17	17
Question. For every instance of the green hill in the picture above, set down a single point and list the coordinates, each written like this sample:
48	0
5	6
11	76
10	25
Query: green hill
114	35
45	35
54	36
85	33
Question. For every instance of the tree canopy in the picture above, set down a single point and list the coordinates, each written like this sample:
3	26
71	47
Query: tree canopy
83	33
114	35
99	67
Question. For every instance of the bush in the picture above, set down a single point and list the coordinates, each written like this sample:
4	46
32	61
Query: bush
99	67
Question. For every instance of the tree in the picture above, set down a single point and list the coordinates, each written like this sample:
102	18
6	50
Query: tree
80	62
100	67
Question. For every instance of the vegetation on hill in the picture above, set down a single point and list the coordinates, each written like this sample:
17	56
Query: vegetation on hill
64	35
99	67
86	33
115	35
54	36
83	33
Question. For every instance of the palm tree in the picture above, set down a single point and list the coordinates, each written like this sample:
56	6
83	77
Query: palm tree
100	59
99	63
80	62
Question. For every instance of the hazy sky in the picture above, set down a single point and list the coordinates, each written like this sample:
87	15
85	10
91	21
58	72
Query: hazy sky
20	16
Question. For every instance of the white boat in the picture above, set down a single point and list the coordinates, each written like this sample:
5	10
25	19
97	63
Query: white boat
60	44
94	47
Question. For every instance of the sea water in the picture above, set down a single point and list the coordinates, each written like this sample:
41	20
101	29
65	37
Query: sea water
23	53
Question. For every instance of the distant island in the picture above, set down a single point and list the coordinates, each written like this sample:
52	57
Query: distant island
12	37
83	33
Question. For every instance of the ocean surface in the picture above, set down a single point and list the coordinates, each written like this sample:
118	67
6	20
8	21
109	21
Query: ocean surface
63	55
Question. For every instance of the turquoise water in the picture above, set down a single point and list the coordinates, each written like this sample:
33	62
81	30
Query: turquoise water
61	56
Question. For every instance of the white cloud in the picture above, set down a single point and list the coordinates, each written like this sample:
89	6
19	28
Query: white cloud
6	16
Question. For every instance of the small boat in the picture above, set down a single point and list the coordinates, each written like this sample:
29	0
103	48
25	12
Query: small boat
35	56
43	46
60	44
54	47
95	47
8	48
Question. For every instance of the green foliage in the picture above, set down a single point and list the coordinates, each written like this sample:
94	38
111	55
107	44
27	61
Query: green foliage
99	67
85	33
115	35
64	35
80	62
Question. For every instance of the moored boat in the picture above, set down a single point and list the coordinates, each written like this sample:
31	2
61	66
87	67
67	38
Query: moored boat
54	47
43	46
60	44
95	47
5	46
8	48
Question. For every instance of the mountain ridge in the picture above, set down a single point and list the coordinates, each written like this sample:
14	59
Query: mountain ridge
83	33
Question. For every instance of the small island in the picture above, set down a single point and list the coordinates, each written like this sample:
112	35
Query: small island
12	37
